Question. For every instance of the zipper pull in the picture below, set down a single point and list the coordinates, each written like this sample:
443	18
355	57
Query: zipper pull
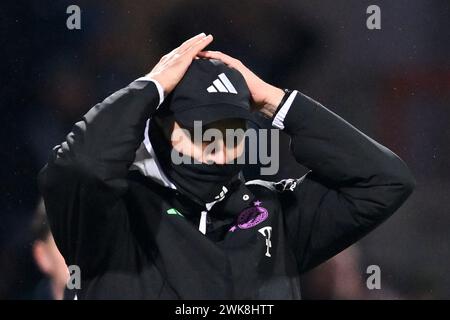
202	225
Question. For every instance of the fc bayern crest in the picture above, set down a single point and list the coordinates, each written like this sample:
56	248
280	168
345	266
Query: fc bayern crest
251	217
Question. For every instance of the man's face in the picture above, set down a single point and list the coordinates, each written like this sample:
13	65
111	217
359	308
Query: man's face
220	142
52	264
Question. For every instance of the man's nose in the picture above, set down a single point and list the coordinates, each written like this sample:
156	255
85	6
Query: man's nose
217	154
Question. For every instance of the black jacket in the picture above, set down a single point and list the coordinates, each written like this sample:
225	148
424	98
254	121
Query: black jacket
133	238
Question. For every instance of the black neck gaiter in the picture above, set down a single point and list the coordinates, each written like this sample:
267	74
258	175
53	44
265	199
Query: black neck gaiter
203	183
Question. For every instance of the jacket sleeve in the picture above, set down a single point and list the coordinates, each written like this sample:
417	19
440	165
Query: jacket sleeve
85	175
354	183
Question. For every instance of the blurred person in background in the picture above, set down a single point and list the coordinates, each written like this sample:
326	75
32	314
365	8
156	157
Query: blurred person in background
31	266
343	278
48	259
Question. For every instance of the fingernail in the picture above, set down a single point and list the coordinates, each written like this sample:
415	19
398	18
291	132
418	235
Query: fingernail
202	34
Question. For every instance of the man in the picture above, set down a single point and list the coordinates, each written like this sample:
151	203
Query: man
140	226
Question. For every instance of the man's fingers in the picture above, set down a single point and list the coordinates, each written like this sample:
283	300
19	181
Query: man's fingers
188	43
200	45
210	54
217	55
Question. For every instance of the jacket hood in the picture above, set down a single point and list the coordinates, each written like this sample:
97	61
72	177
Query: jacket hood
146	162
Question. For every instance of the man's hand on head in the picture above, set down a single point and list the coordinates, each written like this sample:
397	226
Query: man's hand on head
172	67
265	97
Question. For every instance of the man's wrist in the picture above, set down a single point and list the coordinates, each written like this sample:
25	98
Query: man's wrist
272	101
158	85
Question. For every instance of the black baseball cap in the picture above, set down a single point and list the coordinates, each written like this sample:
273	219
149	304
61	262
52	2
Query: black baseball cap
209	91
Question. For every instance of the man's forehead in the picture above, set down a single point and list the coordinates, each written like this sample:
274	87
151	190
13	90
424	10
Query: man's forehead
229	123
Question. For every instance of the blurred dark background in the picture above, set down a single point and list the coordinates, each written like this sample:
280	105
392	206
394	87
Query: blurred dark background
393	84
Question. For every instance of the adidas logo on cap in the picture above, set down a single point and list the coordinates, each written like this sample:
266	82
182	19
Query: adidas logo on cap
222	84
